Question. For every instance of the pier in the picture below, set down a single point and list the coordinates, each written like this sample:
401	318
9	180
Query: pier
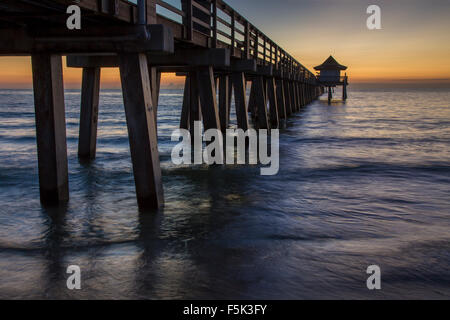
217	49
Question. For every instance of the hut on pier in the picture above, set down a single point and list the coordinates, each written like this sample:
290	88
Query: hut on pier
330	76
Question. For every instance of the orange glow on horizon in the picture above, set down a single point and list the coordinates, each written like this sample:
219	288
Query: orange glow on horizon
15	72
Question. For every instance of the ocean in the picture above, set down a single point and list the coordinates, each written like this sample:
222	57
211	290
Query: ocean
361	183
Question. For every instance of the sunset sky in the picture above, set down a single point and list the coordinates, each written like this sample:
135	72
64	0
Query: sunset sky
412	45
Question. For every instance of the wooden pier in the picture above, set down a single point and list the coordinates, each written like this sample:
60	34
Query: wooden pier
206	40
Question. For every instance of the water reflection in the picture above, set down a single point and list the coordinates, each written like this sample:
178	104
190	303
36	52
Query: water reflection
361	183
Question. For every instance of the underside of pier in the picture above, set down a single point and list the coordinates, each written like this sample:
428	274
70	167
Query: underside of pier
219	51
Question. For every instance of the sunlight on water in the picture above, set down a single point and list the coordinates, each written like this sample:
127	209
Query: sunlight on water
360	183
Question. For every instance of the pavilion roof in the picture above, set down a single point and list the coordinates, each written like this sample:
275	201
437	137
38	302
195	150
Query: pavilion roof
331	64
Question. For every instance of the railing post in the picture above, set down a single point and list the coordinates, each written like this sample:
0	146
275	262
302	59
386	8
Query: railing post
247	40
142	12
151	11
233	32
271	53
214	16
264	51
189	26
256	49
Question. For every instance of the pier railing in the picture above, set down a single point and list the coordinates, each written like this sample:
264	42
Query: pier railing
224	26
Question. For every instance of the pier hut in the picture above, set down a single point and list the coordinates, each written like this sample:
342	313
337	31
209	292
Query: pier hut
330	76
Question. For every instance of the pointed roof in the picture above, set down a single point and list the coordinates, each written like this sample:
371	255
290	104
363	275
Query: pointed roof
330	64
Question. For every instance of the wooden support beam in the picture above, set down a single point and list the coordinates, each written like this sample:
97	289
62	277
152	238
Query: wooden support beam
90	93
278	74
307	93
217	57
184	121
230	97
288	100
50	128
194	104
344	90
109	39
92	40
330	95
240	100
305	102
280	99
266	71
91	61
261	103
208	97
181	57
297	96
239	65
155	84
273	103
300	94
252	107
224	98
141	129
292	96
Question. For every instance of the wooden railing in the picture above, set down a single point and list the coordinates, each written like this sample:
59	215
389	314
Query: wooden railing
220	22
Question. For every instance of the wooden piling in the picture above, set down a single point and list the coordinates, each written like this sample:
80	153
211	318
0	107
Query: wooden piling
300	94
252	105
240	100
330	95
292	97
273	103
261	103
90	93
302	87
140	115
300	97
296	101
194	104
50	128
280	99
155	84
224	99
208	97
288	100
344	90
185	109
